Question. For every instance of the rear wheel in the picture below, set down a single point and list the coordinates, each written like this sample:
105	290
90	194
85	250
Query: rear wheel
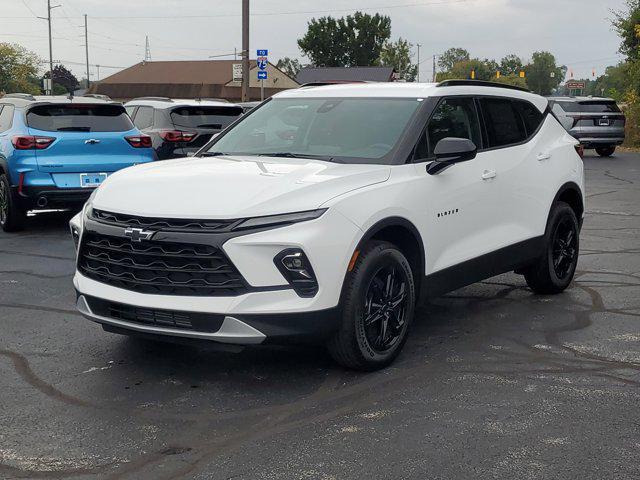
377	309
11	216
605	151
554	270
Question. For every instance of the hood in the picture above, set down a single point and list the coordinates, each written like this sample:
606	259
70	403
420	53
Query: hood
231	187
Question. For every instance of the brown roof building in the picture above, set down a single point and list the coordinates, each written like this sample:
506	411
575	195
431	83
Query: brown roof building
190	79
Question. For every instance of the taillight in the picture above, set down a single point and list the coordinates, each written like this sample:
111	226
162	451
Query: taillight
139	141
29	142
580	150
176	136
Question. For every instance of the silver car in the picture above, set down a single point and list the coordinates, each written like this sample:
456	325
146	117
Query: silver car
596	122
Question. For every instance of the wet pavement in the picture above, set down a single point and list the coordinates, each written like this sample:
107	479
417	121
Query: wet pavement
494	382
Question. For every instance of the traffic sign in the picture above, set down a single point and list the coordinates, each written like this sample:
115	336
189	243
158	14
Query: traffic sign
263	53
262	63
262	74
574	85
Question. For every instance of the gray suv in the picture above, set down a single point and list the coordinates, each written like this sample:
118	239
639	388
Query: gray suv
597	123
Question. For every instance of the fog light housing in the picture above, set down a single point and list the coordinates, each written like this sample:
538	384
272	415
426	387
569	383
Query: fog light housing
295	267
75	234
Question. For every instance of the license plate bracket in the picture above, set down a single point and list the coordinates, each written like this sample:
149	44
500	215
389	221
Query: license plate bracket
603	122
92	180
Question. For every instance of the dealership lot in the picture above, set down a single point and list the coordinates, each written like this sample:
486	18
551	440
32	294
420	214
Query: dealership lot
494	381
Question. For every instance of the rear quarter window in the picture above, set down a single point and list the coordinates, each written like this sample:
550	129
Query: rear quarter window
6	117
79	118
531	116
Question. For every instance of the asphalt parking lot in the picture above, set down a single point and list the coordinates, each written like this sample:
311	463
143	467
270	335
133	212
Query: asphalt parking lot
495	382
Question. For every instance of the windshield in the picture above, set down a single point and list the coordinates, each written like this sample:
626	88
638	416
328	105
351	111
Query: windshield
205	117
349	130
79	118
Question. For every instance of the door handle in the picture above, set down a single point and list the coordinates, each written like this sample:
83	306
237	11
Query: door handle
543	156
488	174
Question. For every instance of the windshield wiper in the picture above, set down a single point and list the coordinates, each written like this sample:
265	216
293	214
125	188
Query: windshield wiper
213	154
296	155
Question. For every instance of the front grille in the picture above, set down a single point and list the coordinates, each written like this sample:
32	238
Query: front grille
163	268
167	225
201	322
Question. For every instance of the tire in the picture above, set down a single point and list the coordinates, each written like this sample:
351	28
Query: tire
11	216
373	346
606	151
554	270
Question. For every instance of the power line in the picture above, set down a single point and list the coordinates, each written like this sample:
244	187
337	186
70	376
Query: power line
264	14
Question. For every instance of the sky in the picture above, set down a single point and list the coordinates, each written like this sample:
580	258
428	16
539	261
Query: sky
577	32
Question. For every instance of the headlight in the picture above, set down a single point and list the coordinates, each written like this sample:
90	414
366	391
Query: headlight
88	206
279	220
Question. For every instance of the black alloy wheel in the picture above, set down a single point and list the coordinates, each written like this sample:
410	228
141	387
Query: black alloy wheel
385	307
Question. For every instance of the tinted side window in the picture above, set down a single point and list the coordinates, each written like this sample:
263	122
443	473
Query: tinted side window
504	126
144	117
531	116
130	111
6	117
453	117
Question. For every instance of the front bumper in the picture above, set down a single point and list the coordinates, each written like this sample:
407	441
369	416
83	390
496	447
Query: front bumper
271	310
309	327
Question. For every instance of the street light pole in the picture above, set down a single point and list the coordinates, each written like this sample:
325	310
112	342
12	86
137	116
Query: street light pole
50	47
418	75
86	47
245	50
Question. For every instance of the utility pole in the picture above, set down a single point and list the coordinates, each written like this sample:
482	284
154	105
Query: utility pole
86	47
245	50
418	65
48	19
434	69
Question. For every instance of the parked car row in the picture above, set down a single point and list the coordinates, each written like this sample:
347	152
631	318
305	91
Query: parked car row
55	150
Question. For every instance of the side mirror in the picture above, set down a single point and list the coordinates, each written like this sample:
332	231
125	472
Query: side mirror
449	151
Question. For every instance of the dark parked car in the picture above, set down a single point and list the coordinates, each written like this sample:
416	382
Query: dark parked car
597	123
180	127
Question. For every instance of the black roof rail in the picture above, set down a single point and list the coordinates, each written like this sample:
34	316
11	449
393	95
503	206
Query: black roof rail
480	83
157	99
330	82
211	99
24	96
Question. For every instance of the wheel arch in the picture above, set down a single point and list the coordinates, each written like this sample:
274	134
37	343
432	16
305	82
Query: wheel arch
571	194
404	234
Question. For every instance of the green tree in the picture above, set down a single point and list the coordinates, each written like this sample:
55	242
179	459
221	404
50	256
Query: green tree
543	75
483	70
354	40
398	55
63	78
626	23
512	79
450	57
18	69
290	66
511	65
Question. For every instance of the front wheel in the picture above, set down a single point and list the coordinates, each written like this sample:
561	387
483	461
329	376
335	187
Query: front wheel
554	270
11	216
378	305
605	151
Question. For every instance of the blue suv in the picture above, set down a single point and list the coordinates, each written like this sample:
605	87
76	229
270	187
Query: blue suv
54	151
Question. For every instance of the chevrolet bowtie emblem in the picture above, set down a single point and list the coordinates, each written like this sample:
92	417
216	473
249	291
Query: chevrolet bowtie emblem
138	234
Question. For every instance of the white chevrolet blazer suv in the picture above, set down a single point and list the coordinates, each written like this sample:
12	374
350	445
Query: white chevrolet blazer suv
327	212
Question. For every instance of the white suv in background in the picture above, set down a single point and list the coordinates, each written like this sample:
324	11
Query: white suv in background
327	212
